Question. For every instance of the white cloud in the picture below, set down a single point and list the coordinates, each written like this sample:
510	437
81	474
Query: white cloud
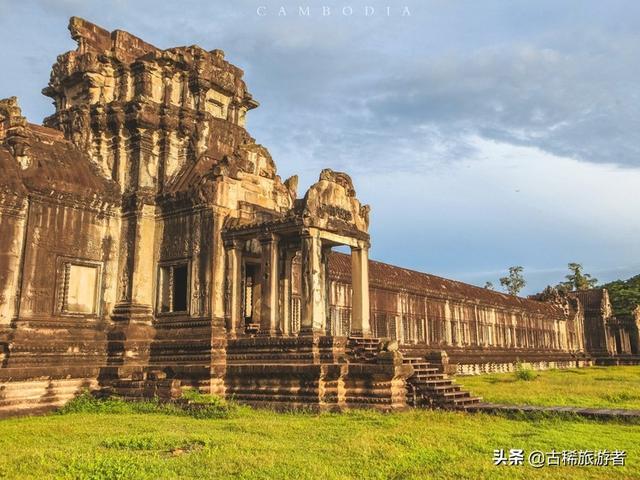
485	134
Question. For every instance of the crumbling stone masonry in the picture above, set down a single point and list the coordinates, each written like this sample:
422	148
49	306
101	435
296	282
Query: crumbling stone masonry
147	243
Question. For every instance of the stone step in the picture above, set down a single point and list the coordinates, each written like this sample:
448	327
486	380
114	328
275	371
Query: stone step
414	360
455	394
431	388
443	388
435	381
467	400
430	376
426	373
469	403
424	368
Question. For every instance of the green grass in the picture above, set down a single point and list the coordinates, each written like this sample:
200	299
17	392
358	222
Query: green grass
201	406
598	387
97	442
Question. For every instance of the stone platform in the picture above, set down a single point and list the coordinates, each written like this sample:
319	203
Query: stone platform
314	372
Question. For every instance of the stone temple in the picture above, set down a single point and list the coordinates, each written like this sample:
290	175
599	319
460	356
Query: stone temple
147	244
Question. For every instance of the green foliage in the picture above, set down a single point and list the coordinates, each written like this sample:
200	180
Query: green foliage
576	279
524	373
489	286
194	396
515	281
200	406
624	295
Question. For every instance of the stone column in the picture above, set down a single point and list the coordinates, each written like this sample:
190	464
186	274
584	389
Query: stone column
234	282
217	262
269	308
137	261
360	326
218	267
13	218
313	301
285	292
132	331
447	324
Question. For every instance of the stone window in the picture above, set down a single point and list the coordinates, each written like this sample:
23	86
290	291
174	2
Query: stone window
345	319
380	325
408	323
173	291
78	287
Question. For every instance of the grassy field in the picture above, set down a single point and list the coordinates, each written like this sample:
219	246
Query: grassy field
605	387
121	442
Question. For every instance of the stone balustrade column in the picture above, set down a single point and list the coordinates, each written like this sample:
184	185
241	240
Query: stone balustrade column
360	322
269	309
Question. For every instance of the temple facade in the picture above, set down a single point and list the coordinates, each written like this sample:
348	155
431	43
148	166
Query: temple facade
147	244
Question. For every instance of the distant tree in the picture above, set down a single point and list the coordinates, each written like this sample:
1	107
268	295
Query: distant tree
515	281
489	286
577	280
624	295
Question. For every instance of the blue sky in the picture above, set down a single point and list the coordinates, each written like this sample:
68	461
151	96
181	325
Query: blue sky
484	134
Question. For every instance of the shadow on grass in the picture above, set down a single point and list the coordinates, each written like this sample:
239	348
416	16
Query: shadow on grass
494	380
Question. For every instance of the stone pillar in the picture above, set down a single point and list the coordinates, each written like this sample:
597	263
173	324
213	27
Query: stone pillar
285	292
635	331
234	283
217	262
218	268
137	259
313	305
360	325
446	337
132	332
270	278
326	251
13	218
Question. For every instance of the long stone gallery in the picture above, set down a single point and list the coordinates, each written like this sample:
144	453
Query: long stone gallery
148	244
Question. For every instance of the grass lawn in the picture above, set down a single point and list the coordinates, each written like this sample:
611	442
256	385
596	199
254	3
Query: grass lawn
251	444
604	387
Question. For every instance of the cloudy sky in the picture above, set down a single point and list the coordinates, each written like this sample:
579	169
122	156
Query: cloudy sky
484	134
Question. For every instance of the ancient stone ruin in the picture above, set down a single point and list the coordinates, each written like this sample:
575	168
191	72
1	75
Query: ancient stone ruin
147	244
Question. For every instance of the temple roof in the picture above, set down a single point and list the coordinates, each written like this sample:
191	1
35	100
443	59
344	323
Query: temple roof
53	165
10	177
384	275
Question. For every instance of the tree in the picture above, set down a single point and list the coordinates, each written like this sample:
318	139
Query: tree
577	280
489	286
624	295
515	281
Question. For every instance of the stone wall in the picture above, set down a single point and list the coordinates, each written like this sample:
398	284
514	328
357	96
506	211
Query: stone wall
56	343
427	313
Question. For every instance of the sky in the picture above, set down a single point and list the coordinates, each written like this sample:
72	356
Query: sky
484	134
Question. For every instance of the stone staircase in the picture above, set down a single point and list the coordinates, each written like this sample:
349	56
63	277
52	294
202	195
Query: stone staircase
429	388
363	349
